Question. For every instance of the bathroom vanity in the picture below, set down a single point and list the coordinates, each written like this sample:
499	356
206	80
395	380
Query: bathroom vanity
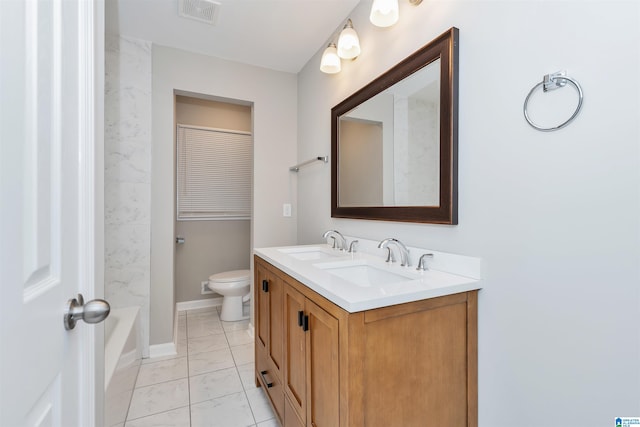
347	340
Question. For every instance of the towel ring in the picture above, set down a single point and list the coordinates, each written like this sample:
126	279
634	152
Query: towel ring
551	82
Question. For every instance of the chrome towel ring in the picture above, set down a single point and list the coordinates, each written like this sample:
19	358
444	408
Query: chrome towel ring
552	82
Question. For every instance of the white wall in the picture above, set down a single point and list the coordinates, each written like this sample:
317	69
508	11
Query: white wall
554	216
127	152
274	98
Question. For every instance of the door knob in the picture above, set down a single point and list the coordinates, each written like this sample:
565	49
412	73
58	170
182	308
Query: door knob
94	311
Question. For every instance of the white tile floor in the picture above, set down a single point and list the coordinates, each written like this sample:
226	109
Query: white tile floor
210	382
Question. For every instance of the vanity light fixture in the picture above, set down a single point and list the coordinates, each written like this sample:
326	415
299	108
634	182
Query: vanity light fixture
384	13
330	62
348	42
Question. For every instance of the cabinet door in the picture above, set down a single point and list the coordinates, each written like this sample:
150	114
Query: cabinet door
294	371
323	402
275	340
290	416
268	342
269	316
417	355
262	301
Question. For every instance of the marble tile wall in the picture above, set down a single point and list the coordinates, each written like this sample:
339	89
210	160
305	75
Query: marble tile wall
128	176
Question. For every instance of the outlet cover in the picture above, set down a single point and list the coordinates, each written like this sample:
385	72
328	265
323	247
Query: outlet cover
204	288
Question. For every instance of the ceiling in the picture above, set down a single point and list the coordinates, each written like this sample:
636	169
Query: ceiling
277	34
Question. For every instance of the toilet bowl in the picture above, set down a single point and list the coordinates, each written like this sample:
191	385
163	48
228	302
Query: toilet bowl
234	288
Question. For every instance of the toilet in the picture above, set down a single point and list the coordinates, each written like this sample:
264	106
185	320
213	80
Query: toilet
234	288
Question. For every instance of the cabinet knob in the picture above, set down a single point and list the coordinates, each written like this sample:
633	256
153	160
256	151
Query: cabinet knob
300	317
305	323
265	285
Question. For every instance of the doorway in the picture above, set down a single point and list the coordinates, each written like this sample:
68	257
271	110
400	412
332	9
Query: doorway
210	243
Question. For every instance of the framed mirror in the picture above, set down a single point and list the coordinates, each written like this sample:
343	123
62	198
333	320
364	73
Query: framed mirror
394	143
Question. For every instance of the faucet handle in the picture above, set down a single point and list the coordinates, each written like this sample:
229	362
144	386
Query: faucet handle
422	265
352	246
334	242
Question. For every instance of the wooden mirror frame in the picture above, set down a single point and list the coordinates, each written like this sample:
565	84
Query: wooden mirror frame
445	48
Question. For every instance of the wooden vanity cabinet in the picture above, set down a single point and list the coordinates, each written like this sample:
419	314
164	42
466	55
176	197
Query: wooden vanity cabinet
412	364
269	341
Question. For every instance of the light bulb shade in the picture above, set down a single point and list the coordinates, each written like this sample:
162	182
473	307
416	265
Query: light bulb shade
384	13
348	43
330	62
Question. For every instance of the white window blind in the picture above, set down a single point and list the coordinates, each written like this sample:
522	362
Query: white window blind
213	173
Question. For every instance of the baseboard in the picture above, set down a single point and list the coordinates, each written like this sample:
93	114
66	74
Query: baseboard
160	350
201	303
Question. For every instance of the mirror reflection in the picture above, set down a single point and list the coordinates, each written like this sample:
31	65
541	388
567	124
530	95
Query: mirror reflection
390	145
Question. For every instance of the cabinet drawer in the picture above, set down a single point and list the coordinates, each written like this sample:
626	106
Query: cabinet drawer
269	381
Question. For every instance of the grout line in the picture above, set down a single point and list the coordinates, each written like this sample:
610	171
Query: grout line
244	389
173	359
235	364
154	414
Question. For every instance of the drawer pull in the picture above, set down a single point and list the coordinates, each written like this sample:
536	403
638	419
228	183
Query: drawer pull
265	285
268	384
300	317
305	324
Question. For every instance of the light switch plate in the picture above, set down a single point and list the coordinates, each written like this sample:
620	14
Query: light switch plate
286	209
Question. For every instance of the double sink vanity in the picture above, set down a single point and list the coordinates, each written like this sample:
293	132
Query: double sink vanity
347	339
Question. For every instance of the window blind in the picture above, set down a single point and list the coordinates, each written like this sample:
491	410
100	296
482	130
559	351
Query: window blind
213	173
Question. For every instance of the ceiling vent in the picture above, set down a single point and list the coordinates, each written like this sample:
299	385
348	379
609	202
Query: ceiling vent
200	10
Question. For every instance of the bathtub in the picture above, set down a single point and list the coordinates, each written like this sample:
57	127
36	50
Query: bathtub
122	358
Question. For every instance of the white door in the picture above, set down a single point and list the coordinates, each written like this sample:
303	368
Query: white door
47	241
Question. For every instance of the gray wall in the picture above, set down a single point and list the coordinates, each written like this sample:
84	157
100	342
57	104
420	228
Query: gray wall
555	216
360	163
210	246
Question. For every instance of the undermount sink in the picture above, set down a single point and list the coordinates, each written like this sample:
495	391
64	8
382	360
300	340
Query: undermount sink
362	273
309	253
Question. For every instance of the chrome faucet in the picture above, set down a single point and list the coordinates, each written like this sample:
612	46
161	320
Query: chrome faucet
422	265
353	246
404	252
339	241
390	257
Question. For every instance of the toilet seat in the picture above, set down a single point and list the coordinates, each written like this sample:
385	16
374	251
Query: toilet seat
241	276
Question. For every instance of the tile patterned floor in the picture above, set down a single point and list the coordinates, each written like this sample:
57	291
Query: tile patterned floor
208	383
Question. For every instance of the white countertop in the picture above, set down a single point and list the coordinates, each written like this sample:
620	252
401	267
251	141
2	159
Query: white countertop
316	273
